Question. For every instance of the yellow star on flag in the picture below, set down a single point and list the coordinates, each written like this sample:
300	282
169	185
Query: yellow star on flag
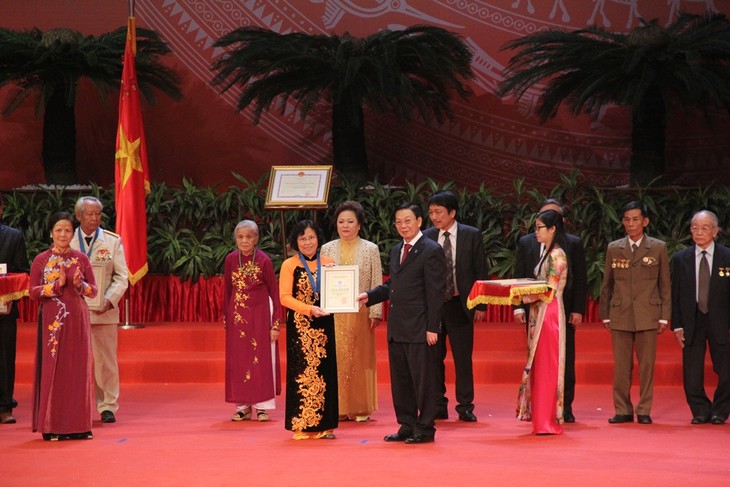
128	156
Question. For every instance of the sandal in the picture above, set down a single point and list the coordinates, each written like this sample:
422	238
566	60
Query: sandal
262	416
242	415
300	435
326	435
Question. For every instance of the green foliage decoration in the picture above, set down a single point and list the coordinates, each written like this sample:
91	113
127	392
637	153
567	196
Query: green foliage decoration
190	228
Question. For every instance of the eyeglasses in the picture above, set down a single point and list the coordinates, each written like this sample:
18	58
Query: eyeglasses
539	227
703	228
406	222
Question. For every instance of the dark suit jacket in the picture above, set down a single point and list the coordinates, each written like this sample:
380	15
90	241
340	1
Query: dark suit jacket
574	294
416	292
12	252
684	301
471	264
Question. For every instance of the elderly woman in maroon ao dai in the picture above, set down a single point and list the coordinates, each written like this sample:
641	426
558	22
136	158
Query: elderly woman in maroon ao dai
252	311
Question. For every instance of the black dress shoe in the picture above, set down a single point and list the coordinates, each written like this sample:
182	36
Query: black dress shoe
420	439
7	418
717	419
568	418
621	418
442	414
396	437
643	419
467	416
108	417
699	419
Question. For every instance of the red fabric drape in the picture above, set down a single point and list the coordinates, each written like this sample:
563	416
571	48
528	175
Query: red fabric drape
162	298
158	298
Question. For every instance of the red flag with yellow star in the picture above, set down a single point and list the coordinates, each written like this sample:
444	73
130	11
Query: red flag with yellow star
132	182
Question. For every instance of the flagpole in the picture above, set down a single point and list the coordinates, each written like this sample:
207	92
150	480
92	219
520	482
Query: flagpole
127	325
131	172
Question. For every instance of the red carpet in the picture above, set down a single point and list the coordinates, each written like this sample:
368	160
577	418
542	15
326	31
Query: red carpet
172	433
181	435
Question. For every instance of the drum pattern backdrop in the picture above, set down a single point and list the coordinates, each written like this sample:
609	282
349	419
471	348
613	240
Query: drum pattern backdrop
489	140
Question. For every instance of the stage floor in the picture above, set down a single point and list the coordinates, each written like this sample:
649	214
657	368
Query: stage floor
181	434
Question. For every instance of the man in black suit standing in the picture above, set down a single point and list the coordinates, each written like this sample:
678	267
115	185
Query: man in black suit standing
574	295
12	253
465	263
701	317
416	291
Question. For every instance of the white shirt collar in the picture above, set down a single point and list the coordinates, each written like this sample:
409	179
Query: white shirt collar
415	239
451	230
710	249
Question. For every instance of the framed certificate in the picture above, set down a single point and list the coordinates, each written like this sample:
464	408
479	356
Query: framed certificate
299	186
97	302
340	287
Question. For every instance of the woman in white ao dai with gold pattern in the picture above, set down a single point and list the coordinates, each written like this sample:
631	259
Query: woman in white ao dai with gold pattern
355	332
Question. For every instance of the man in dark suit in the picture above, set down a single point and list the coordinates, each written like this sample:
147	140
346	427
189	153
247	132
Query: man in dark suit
635	306
12	253
416	291
464	252
529	251
701	317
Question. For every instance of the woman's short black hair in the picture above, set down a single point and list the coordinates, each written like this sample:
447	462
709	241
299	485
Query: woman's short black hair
299	229
352	206
57	217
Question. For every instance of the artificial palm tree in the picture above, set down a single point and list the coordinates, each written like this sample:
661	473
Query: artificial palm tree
53	62
652	70
416	69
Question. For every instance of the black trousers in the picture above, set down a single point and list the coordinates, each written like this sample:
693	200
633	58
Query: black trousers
693	359
412	368
8	338
459	329
569	378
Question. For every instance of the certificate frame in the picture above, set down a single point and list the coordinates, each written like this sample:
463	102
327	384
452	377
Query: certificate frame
97	302
298	187
340	289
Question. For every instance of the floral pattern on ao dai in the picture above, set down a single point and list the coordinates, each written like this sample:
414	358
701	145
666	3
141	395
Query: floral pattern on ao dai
540	398
63	396
250	293
311	359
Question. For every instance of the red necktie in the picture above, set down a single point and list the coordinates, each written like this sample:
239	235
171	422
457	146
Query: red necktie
406	249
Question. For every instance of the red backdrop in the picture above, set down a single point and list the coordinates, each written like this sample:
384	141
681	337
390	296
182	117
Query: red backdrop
490	140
